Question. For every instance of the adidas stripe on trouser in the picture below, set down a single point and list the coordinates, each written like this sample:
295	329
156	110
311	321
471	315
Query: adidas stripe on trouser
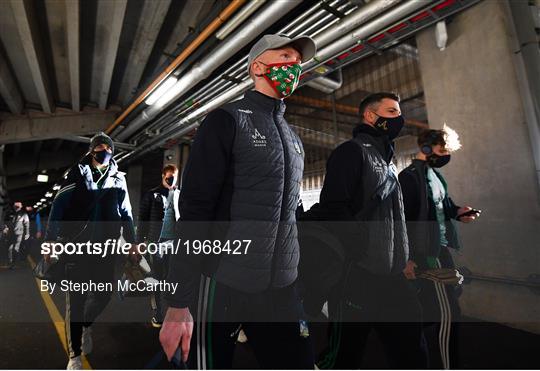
441	308
218	311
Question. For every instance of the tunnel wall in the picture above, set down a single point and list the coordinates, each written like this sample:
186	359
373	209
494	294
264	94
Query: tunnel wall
473	87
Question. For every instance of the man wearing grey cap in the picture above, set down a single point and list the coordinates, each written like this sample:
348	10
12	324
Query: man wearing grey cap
244	170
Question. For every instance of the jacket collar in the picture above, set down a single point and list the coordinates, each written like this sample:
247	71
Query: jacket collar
266	103
366	129
421	164
85	167
385	146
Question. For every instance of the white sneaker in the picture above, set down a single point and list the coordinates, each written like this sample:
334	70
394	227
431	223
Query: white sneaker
86	344
74	363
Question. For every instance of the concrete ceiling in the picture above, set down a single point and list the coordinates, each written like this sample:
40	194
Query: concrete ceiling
69	67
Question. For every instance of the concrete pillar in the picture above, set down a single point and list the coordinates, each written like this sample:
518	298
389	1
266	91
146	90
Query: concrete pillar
472	86
134	182
3	199
172	156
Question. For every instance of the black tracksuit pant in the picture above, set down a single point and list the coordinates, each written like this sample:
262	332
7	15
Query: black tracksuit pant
272	321
159	272
385	304
441	314
83	308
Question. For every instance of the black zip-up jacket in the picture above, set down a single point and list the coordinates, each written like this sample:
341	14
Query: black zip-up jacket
354	172
75	205
245	170
151	214
422	225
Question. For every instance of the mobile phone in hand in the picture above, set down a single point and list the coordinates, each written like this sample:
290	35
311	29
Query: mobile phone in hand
470	213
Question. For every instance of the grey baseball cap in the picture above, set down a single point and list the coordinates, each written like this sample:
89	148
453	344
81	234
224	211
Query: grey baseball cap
304	44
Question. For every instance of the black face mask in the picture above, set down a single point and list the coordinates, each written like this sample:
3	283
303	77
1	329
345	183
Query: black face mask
169	181
438	161
390	126
103	157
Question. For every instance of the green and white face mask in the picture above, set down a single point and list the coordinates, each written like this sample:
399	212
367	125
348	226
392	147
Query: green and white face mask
283	77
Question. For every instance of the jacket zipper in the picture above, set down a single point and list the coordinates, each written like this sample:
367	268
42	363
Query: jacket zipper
285	173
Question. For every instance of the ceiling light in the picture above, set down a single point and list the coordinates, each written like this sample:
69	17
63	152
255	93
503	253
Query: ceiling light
169	95
48	194
42	178
56	187
163	88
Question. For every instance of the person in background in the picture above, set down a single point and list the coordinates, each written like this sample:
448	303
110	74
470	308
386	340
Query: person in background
92	205
361	191
430	213
151	219
19	231
35	230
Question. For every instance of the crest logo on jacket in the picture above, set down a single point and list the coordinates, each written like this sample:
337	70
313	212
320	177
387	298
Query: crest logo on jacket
259	140
297	147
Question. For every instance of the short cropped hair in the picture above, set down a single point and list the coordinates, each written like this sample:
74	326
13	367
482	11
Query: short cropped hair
169	167
432	138
373	99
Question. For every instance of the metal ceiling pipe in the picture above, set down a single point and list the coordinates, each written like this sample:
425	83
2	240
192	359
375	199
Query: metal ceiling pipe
349	23
210	29
326	84
179	128
300	27
373	26
370	28
201	70
307	18
351	20
328	21
240	17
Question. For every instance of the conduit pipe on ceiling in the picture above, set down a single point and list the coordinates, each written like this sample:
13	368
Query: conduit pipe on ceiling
262	21
359	34
179	128
293	29
326	84
345	42
240	17
201	70
209	30
353	21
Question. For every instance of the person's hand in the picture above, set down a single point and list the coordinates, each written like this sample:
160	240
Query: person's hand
47	257
26	237
409	270
469	218
134	254
38	235
176	332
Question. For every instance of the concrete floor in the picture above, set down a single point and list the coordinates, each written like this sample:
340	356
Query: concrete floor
122	339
